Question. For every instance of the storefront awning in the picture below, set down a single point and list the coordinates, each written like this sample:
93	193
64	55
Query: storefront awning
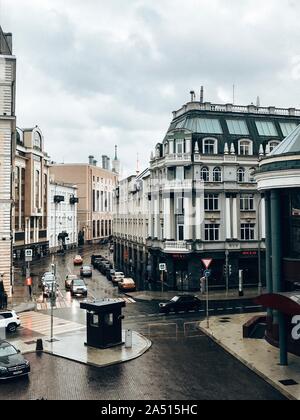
287	303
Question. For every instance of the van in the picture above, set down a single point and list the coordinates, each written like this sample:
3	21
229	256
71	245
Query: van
117	277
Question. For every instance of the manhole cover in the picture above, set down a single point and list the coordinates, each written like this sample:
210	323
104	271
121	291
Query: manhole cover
289	382
29	343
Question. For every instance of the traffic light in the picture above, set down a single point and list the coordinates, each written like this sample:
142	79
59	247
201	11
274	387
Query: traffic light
225	270
230	269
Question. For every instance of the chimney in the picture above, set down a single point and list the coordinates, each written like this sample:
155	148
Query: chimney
95	162
91	160
104	161
202	95
192	93
108	163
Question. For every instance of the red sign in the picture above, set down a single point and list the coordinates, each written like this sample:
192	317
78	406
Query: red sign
29	281
249	253
207	262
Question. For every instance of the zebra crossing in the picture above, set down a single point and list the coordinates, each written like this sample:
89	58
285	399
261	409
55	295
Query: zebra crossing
62	303
41	324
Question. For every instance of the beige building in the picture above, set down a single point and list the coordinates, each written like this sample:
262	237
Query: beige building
95	195
31	176
7	134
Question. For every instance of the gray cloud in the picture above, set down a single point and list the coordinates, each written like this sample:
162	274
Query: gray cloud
96	73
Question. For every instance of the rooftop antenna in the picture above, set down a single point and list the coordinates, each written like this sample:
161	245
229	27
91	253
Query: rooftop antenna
202	95
233	94
258	102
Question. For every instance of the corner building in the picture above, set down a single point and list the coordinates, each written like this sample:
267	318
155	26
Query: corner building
203	198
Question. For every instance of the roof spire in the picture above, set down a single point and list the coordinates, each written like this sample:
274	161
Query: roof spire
116	152
137	165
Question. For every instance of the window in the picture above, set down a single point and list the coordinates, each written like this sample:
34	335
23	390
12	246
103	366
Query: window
37	189
179	173
205	174
241	175
238	127
201	125
247	231
266	128
272	145
179	146
287	128
247	202
245	147
212	232
179	205
37	141
211	202
217	175
210	147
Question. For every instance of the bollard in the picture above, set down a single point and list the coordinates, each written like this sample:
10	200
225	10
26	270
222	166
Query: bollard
128	339
39	345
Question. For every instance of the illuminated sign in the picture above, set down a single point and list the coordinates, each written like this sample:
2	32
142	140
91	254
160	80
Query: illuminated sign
249	253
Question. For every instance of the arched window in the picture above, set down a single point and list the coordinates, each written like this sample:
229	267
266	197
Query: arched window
205	174
210	147
241	175
272	145
37	141
245	147
217	175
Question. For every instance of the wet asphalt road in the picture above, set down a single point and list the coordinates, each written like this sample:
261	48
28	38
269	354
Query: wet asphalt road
191	367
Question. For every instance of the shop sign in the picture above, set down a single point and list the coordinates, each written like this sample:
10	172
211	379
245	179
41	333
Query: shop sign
296	329
249	253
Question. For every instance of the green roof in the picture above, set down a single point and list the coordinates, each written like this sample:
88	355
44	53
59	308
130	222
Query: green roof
291	144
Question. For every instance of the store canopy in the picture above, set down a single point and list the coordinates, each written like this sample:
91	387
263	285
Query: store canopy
287	303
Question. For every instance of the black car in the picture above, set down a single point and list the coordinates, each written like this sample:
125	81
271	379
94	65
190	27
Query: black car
12	363
110	273
95	257
181	303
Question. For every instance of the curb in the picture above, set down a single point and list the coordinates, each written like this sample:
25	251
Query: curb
136	356
248	365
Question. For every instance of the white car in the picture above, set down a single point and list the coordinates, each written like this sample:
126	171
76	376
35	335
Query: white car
9	321
48	278
117	277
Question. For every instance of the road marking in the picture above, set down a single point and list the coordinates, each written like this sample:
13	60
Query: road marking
41	324
252	307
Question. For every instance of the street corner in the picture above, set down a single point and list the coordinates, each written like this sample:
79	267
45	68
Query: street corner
71	346
255	353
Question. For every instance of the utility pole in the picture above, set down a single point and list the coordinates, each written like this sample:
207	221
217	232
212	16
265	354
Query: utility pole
207	298
52	301
227	271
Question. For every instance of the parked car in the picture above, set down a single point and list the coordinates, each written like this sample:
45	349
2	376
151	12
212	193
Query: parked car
126	285
95	257
181	303
69	279
12	363
78	288
78	260
86	271
118	276
109	274
104	266
9	320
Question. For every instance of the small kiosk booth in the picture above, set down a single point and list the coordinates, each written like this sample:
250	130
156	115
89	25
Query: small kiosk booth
104	323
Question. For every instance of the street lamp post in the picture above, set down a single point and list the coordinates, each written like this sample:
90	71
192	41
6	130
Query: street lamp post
259	246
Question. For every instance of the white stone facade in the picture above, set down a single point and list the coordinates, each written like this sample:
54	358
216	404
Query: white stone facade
62	216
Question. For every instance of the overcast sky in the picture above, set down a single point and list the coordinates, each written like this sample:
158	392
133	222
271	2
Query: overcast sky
96	73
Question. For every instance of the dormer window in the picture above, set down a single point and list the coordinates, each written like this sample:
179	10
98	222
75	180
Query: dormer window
37	141
272	145
179	146
210	147
245	148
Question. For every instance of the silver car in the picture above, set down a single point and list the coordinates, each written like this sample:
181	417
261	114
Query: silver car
78	288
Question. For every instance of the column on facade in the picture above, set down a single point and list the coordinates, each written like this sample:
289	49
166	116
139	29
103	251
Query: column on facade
263	219
234	219
167	216
171	147
228	217
188	146
188	216
156	217
199	214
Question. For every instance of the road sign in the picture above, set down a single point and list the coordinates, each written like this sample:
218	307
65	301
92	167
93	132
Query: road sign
207	273
162	267
28	255
207	262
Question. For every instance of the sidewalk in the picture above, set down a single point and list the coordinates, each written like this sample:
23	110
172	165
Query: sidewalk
213	295
257	355
71	346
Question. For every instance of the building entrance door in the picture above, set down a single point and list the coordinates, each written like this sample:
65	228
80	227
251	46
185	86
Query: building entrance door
180	232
